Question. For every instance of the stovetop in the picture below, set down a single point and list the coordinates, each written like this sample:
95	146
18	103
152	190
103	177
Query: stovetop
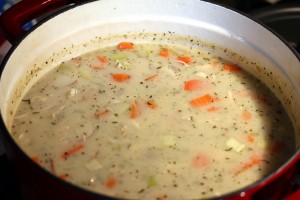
283	16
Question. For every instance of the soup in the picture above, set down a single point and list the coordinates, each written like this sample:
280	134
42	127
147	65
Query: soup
154	121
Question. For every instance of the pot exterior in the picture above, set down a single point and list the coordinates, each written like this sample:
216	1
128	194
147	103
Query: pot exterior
34	183
64	36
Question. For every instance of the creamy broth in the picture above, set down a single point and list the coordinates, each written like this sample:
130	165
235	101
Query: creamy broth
151	121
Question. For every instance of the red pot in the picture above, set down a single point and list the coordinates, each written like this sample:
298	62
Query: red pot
55	38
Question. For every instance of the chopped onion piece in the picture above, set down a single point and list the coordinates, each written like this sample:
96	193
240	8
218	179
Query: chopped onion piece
72	92
235	145
201	74
93	165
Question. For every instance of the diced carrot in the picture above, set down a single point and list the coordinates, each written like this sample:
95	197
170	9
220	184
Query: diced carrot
121	77
231	68
259	98
102	59
246	116
151	104
35	159
151	78
246	166
164	53
250	138
193	85
200	160
97	67
76	60
202	101
255	159
161	197
134	111
125	45
101	114
185	59
214	63
111	182
213	109
262	100
63	176
72	151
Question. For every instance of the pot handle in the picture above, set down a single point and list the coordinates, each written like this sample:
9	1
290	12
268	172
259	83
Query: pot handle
295	195
12	20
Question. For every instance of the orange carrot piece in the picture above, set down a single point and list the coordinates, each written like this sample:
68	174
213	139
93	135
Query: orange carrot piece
102	59
212	109
246	116
111	182
262	100
202	101
201	160
231	68
185	59
151	78
101	114
134	111
214	63
121	77
254	160
97	67
250	138
164	53
151	104
76	60
194	85
259	98
161	198
125	45
63	176
35	159
72	151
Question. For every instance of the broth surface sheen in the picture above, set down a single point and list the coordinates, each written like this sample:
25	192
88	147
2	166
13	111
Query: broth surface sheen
153	121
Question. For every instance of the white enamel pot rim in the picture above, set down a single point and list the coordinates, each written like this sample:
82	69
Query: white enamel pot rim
66	34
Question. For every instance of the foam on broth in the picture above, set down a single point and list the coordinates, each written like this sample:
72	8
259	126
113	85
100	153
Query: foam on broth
155	121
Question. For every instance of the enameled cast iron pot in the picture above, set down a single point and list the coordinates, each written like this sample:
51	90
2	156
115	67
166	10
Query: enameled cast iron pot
65	34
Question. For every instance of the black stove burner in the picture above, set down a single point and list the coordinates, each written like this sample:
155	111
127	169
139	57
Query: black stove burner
283	19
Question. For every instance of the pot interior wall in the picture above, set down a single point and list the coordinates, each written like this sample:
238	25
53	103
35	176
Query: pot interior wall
84	28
